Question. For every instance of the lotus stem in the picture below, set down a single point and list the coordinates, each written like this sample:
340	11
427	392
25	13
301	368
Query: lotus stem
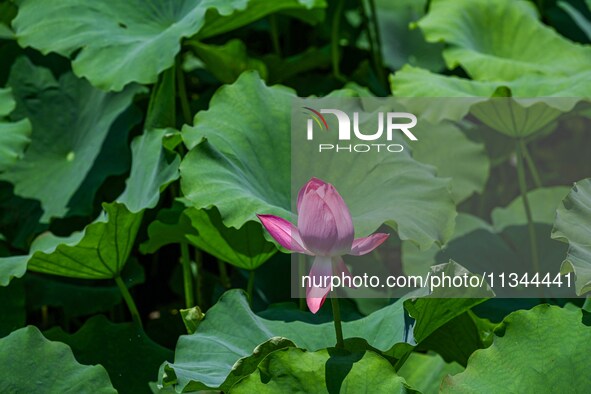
199	263
182	93
376	42
531	165
336	313
335	36
523	189
187	275
135	315
275	34
250	286
224	278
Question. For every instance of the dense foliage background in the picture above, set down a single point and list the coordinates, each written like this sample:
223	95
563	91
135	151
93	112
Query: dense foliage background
129	189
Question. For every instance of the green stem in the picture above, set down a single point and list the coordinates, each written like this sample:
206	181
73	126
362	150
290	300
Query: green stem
135	315
523	189
224	278
336	313
275	34
531	165
250	285
187	275
182	92
335	36
376	43
199	263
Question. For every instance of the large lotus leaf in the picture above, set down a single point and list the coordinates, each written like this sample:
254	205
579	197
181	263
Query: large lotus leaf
293	370
573	225
240	162
14	136
70	120
426	371
29	363
500	40
543	203
98	252
244	248
534	102
129	356
433	147
535	351
132	41
206	358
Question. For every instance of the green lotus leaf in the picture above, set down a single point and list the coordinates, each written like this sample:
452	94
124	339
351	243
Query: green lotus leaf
517	108
124	350
426	371
244	248
98	252
246	132
573	225
534	351
14	136
492	40
116	42
543	203
70	121
433	147
29	363
206	358
293	370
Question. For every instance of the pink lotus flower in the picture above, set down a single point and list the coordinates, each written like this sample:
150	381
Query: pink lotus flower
324	230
